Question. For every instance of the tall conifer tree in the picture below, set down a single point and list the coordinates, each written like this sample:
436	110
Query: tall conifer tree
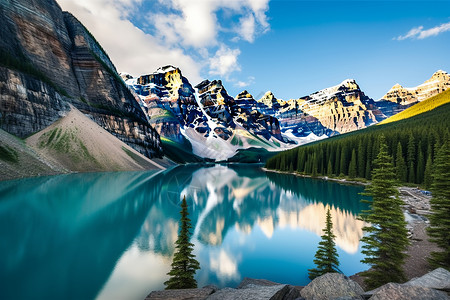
184	264
411	153
440	206
386	239
400	166
361	159
326	258
352	166
329	168
428	176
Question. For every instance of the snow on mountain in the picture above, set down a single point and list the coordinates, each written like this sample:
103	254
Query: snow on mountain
439	82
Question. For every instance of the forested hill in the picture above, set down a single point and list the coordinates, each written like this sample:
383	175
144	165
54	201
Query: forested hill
421	107
412	142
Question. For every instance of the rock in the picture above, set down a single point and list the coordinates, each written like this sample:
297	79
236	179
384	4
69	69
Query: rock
252	292
293	291
332	286
438	279
439	82
53	61
262	282
191	294
395	291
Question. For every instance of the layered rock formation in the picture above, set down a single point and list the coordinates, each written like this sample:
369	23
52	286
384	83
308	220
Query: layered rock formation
48	60
338	109
341	108
169	101
215	123
439	82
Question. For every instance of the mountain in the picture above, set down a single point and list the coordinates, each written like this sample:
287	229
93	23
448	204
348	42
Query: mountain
48	62
74	143
439	82
206	120
419	108
328	112
419	137
341	108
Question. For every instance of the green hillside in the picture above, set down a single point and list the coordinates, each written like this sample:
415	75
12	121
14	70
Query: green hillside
412	142
180	153
18	160
251	155
421	107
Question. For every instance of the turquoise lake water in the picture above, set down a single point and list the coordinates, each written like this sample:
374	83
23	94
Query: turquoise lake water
111	235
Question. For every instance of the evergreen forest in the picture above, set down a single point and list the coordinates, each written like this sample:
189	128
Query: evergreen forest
412	142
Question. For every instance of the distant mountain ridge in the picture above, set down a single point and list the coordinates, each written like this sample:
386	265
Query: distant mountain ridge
439	82
214	123
217	125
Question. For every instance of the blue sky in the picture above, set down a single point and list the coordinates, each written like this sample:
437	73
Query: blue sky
292	48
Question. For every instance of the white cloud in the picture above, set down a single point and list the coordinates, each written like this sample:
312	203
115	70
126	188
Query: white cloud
130	49
224	62
196	23
247	28
242	84
196	26
419	33
184	33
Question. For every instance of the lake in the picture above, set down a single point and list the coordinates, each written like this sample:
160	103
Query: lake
112	235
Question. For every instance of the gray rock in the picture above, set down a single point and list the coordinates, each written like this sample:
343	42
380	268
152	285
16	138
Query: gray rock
438	279
293	294
332	286
263	282
252	292
395	291
181	294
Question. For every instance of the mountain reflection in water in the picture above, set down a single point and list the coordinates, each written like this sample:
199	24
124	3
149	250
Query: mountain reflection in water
111	236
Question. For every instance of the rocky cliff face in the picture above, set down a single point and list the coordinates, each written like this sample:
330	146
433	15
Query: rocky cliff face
215	123
439	82
169	101
49	60
341	108
338	109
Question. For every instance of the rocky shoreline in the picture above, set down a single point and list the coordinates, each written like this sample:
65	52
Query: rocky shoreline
434	285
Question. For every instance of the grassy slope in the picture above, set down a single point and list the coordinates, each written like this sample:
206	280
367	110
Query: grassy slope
180	153
421	107
251	155
18	160
77	143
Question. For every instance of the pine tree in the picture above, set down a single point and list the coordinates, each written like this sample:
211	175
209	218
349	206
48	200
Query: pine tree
283	161
314	165
411	153
440	206
400	166
352	165
326	258
344	162
420	167
184	264
329	168
386	239
361	159
428	179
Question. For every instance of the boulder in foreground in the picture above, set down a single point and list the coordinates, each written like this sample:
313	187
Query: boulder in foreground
437	279
192	294
395	291
332	286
